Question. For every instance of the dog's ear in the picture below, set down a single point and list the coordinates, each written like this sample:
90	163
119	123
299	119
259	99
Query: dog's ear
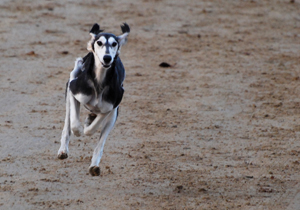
93	32
122	39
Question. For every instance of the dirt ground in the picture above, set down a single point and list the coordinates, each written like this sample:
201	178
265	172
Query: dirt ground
219	129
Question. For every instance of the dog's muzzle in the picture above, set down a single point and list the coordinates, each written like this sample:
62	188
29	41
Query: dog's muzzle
107	61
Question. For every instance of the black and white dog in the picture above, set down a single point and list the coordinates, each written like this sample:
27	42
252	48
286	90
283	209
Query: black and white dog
96	82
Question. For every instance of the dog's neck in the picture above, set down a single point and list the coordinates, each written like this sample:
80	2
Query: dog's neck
100	71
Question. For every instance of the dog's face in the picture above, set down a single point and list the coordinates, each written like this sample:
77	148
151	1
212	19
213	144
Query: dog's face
107	46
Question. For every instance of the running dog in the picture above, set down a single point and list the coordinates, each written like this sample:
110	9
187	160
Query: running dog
96	82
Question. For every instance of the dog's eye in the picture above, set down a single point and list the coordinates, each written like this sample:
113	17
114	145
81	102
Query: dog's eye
100	43
114	44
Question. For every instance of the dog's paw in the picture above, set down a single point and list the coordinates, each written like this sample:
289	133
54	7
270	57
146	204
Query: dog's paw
88	132
77	130
62	155
94	171
77	133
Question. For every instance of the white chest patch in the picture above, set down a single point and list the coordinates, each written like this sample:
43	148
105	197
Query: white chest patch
98	105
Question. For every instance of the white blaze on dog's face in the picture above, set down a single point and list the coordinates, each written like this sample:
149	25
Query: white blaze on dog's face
106	46
106	49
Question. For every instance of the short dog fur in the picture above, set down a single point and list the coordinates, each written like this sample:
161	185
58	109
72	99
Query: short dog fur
96	82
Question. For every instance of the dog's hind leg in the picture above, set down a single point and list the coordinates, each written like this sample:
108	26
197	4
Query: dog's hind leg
89	119
92	125
66	133
108	125
76	128
74	104
77	69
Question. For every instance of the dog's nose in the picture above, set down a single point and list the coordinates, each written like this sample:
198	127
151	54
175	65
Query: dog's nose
107	59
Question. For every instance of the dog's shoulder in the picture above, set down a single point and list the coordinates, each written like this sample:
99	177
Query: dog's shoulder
88	62
120	71
83	83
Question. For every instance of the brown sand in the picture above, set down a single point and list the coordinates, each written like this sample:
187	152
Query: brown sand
217	130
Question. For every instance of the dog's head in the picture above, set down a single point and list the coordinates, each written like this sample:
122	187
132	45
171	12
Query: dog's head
107	46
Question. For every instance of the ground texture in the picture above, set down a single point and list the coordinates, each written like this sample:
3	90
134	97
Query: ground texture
219	129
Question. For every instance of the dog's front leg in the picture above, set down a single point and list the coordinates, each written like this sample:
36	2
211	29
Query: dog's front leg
108	125
65	136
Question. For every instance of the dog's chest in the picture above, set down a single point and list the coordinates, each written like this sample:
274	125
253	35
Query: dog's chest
98	104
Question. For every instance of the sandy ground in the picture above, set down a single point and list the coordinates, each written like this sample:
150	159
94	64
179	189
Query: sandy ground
218	130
